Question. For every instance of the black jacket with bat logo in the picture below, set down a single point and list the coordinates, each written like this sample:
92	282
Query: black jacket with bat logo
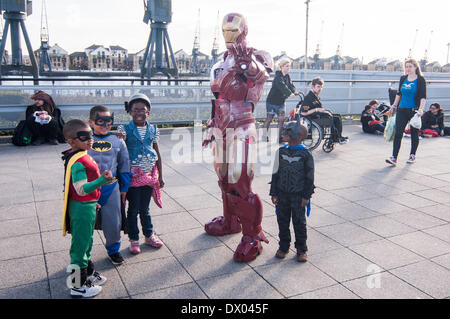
293	172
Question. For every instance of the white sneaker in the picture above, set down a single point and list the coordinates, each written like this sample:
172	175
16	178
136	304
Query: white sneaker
86	291
96	279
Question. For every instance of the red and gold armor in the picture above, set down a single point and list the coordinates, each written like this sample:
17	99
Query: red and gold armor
237	82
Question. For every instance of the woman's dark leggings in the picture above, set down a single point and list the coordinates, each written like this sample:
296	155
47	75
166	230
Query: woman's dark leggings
404	115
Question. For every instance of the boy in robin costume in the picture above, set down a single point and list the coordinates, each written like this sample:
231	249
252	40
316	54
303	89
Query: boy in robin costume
81	183
110	153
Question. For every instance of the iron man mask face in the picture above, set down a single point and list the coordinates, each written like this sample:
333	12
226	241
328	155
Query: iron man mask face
234	29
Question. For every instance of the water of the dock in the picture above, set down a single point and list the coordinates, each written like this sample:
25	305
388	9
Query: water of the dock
375	231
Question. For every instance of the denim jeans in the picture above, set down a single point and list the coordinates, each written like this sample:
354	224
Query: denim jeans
275	109
139	202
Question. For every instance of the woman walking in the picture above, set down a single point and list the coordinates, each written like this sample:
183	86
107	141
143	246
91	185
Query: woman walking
282	88
411	97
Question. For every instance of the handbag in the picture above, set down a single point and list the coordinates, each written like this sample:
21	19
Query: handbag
22	134
389	131
374	122
416	121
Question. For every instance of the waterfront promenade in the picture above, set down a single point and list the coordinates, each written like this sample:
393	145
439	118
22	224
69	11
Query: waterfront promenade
375	231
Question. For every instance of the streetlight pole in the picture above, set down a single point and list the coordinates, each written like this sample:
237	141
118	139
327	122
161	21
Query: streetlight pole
448	50
306	38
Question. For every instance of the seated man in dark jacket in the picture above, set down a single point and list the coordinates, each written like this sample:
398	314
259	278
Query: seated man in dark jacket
44	120
371	123
312	107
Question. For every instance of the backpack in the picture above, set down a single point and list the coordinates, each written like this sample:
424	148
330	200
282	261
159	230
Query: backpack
22	134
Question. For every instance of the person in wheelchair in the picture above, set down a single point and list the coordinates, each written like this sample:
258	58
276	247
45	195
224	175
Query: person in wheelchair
312	108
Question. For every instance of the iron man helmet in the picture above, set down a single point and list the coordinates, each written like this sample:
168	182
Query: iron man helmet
234	29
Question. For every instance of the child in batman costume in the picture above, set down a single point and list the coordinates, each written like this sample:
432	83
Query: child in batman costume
81	183
110	153
291	188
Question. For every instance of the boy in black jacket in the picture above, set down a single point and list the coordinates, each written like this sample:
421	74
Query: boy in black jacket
291	188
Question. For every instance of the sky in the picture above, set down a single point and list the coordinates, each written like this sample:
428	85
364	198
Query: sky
364	29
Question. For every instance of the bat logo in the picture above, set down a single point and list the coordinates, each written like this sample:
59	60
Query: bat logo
290	159
101	146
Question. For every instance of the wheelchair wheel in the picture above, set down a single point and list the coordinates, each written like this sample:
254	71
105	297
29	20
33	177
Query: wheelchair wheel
328	145
315	133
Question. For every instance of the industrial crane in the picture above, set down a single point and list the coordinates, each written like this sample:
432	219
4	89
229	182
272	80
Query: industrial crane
44	59
413	45
159	14
195	67
215	46
317	54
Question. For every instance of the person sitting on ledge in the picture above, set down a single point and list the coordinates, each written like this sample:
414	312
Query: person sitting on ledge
44	120
371	123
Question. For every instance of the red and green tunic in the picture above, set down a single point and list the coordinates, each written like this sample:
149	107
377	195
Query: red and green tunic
82	182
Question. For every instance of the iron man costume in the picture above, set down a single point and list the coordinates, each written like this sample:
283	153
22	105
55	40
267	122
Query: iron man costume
236	83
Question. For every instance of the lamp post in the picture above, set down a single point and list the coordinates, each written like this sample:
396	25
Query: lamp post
306	39
448	50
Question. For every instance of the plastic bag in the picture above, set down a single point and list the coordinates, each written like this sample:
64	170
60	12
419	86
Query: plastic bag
389	131
416	122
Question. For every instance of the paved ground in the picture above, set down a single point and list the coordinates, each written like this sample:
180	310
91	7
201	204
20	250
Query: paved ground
374	232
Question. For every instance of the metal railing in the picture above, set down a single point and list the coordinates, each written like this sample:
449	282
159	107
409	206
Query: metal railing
177	101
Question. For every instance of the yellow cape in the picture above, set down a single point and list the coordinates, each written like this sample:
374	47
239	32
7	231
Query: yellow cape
72	160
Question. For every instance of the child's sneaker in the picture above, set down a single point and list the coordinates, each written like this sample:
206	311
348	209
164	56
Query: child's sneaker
116	259
153	241
281	254
302	256
391	160
86	291
411	159
96	279
134	247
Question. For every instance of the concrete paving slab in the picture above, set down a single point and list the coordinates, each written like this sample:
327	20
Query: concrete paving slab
382	205
384	226
189	240
426	276
321	217
291	278
36	290
333	292
18	211
226	286
351	211
348	234
210	262
20	246
443	261
386	254
169	206
417	219
439	211
422	244
186	291
384	286
18	227
164	224
22	271
331	262
441	232
152	275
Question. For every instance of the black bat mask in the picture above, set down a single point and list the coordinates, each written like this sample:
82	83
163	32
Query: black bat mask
104	121
84	135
